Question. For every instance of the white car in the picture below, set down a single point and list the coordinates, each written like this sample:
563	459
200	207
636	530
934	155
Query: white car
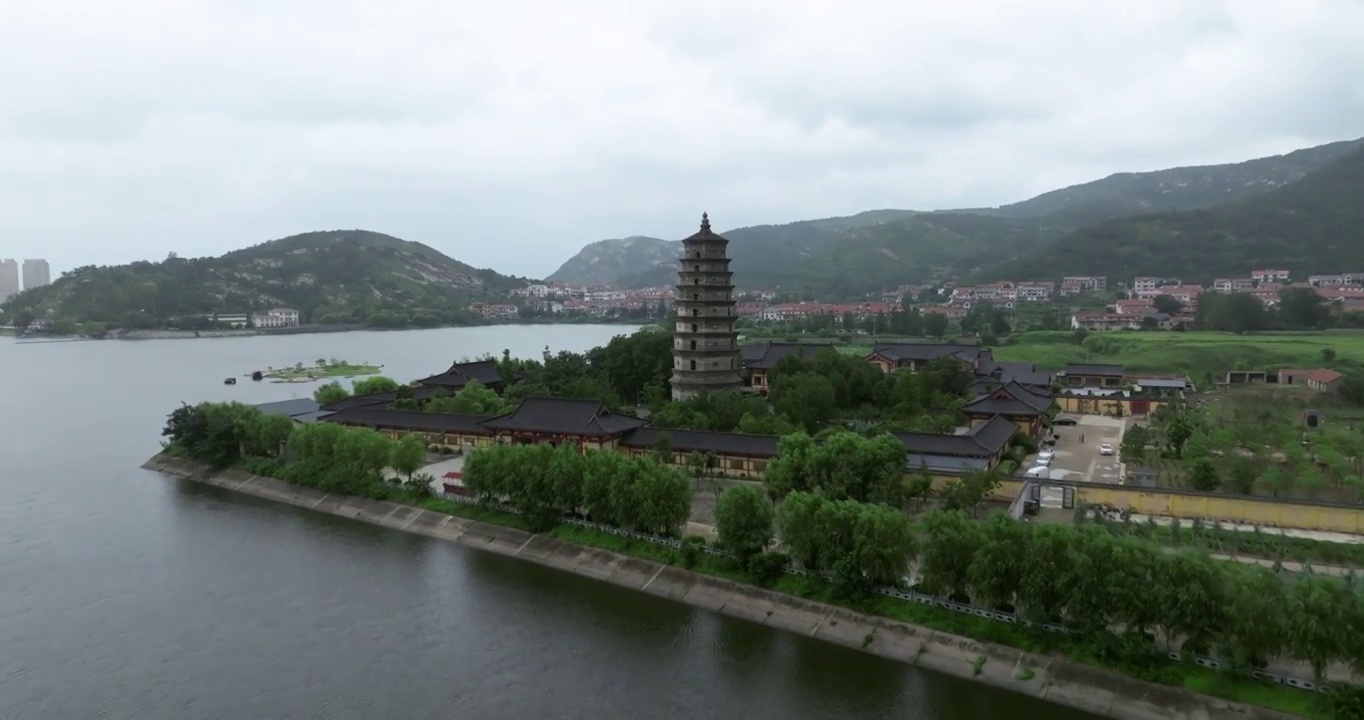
1105	449
1043	461
1046	455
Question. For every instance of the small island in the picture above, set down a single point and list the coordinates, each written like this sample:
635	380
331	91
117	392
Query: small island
322	368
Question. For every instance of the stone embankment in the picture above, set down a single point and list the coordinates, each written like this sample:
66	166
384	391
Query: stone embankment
1050	678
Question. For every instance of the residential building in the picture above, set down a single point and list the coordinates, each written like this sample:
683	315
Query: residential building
1139	308
1105	321
276	318
1035	292
705	343
1323	380
231	320
1077	285
1269	275
36	274
496	311
1326	280
9	279
1145	283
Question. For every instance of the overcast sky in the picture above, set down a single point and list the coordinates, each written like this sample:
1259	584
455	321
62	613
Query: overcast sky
508	134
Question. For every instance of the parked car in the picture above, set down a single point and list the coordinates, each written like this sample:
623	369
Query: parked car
1041	471
1065	420
1046	455
1105	449
1042	461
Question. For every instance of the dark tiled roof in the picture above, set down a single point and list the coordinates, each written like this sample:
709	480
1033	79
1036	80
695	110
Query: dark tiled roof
1011	399
945	462
720	443
1095	370
1019	372
459	374
289	408
563	415
409	420
928	351
419	393
768	355
983	440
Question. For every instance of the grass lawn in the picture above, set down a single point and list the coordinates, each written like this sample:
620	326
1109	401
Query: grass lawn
1189	352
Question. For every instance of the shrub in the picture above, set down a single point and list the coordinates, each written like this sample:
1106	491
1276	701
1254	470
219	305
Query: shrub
767	568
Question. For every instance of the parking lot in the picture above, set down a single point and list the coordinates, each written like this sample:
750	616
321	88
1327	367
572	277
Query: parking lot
1081	461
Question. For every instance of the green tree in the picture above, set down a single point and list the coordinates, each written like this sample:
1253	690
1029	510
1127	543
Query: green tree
329	393
743	519
951	542
474	398
1134	443
920	487
374	384
808	399
408	455
1166	304
270	433
1203	475
935	325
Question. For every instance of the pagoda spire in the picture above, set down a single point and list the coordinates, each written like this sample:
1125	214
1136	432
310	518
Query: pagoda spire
705	222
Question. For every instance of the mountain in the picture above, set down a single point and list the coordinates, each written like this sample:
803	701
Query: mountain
1314	225
763	254
1181	188
340	276
607	261
850	256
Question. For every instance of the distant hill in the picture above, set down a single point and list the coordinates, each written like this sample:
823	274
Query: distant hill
880	249
764	254
340	276
1182	188
1314	225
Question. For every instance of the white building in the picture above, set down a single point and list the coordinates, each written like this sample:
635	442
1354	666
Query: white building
276	318
232	320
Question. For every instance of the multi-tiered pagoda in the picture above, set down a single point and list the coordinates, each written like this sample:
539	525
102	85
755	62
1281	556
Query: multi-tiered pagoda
705	344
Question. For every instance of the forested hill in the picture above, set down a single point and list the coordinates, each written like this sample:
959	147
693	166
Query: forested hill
872	251
339	276
1181	188
1315	225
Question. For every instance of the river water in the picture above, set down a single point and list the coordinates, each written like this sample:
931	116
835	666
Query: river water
126	594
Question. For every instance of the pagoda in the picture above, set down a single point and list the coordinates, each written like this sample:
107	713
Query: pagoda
705	344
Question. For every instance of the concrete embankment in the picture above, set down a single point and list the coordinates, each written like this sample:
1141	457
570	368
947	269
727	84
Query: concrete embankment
1053	679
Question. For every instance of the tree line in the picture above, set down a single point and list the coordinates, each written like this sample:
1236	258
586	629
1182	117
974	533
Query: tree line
546	483
326	456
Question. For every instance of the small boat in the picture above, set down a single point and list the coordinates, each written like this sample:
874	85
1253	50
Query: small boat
230	381
257	375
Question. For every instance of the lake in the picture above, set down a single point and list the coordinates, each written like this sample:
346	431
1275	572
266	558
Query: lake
127	594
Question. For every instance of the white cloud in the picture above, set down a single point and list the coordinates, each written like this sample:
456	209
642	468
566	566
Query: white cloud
509	134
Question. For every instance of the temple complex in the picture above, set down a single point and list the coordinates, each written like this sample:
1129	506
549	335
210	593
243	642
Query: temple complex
705	343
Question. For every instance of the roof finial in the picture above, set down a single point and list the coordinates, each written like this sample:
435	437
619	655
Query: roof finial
705	222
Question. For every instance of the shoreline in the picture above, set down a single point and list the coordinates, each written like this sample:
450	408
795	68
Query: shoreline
136	335
1053	679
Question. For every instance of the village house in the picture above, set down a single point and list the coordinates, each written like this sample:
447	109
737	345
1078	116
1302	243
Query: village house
276	318
1319	379
1139	308
1078	285
496	311
1105	321
1145	283
1269	275
1035	291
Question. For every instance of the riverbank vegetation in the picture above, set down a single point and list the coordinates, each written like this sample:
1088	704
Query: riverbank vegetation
322	368
1125	597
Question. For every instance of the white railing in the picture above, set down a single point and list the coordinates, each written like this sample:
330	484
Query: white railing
921	598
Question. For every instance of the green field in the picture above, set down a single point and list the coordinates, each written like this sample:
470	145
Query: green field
1189	352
